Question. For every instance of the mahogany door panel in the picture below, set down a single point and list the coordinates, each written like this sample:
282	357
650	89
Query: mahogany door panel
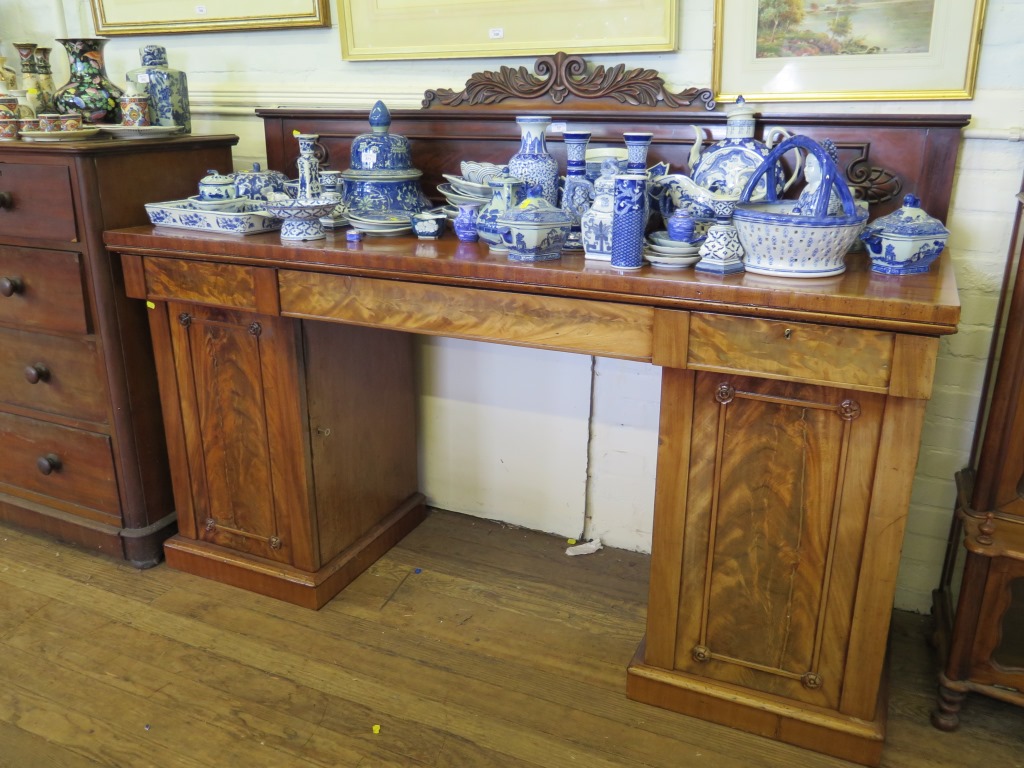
776	509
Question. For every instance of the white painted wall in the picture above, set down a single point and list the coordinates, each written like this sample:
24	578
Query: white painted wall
559	442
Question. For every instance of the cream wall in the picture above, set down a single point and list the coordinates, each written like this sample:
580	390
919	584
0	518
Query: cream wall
566	443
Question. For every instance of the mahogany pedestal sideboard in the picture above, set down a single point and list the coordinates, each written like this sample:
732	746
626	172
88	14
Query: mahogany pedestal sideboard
981	641
82	449
790	419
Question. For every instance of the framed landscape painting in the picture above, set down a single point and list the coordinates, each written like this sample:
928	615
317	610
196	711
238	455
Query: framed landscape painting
846	50
139	17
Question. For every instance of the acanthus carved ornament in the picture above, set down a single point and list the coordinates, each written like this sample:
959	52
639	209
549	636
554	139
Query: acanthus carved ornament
562	75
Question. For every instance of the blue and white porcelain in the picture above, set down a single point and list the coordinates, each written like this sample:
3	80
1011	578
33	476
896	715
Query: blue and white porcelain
596	223
534	230
380	178
428	225
300	218
533	164
252	218
721	253
217	186
726	165
465	222
784	239
257	183
596	156
167	88
905	242
681	226
629	220
578	190
637	144
506	193
308	166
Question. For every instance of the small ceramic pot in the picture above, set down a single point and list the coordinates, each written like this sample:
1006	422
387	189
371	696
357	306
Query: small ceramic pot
8	106
134	110
28	123
217	186
49	122
72	122
428	226
8	128
534	230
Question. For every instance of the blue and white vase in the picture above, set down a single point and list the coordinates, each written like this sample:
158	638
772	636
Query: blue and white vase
628	221
167	88
596	223
465	222
578	191
532	164
637	145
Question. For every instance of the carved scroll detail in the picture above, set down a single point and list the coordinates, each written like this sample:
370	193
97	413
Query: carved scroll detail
562	75
868	182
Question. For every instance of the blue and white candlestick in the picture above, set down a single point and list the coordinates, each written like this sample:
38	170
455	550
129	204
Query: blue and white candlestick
637	144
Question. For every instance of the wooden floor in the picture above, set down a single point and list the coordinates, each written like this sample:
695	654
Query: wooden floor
470	644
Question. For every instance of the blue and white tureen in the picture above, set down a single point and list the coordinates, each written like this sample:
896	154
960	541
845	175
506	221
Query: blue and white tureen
534	230
906	241
380	179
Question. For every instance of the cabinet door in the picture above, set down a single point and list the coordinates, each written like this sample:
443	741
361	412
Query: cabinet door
776	506
243	431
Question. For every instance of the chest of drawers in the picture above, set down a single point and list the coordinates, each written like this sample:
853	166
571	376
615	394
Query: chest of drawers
81	439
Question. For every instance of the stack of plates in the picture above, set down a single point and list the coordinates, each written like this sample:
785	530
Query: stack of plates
459	190
674	256
381	224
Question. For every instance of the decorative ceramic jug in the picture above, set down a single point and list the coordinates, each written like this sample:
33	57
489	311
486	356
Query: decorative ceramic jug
167	88
578	191
465	222
89	91
532	163
506	192
724	167
596	223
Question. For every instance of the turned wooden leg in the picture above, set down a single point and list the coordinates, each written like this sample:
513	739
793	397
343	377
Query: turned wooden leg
946	716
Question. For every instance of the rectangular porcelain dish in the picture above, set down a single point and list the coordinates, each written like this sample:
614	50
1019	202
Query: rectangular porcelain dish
184	214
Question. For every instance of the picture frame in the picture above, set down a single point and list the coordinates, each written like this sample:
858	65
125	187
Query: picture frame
939	58
431	29
137	17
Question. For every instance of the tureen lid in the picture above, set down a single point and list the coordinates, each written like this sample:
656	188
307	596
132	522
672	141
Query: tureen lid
909	221
380	154
534	211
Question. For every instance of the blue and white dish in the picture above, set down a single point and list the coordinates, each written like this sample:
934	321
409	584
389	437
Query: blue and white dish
670	262
464	187
183	214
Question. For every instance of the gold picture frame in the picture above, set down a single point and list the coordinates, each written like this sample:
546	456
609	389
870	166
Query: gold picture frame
137	17
943	65
432	29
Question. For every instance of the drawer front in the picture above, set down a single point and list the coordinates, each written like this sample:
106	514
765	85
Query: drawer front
41	205
55	374
47	289
217	285
816	354
82	463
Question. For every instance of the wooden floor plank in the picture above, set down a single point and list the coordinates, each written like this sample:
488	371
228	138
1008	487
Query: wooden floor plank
500	652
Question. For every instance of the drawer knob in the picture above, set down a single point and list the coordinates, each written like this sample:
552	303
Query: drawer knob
49	463
36	373
10	286
6	200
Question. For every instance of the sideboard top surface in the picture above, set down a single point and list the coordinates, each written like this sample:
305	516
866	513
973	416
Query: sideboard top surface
925	304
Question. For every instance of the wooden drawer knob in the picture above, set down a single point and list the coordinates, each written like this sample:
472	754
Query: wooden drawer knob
36	373
10	286
49	463
6	200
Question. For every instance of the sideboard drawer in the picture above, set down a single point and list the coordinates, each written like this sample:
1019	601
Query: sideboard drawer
55	374
82	462
41	205
823	354
46	288
215	285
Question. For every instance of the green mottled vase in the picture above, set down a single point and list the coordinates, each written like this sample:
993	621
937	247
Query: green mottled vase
89	91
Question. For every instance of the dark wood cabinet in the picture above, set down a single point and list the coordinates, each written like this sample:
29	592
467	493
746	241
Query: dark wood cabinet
81	440
979	606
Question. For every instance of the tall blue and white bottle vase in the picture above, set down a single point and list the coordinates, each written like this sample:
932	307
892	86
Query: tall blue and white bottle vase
308	166
637	145
167	88
596	223
628	221
533	164
578	191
